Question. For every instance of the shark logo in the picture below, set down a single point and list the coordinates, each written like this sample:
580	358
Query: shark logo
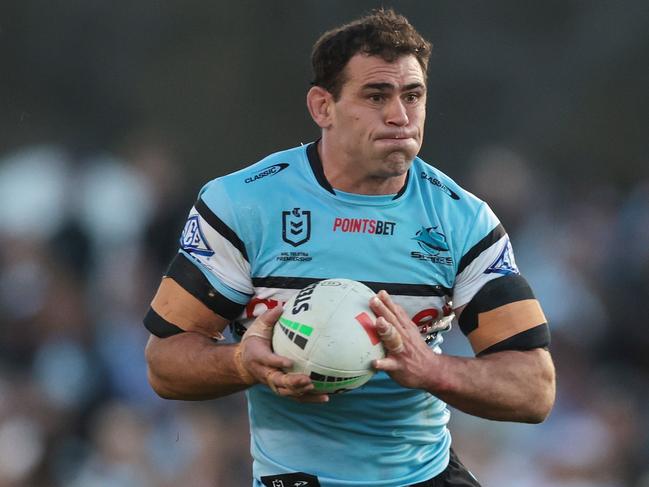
431	241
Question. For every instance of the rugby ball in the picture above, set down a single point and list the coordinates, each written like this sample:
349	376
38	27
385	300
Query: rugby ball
327	330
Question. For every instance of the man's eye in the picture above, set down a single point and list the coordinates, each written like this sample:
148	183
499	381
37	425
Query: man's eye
412	97
376	97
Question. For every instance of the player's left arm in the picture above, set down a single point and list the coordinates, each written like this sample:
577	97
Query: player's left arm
512	377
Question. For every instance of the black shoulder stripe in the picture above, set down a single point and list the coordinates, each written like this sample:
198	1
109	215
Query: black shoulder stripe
492	237
537	337
392	288
495	293
195	283
158	326
219	225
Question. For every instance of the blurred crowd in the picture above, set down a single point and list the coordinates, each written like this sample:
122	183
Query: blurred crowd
84	241
83	244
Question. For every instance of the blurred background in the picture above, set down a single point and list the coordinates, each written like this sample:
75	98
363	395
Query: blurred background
114	114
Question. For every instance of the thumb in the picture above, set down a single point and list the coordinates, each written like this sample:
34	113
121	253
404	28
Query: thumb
270	317
387	364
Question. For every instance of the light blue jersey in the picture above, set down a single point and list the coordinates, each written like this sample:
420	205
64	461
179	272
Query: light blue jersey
264	232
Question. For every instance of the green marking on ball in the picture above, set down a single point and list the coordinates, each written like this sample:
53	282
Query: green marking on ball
323	386
299	327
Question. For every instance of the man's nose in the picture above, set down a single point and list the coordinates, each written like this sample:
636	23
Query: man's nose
396	113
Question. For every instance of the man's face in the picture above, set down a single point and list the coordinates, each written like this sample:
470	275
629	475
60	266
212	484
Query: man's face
378	121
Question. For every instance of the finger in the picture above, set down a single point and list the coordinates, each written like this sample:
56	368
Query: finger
307	397
288	384
259	362
387	364
263	326
276	361
294	386
389	335
297	381
381	309
313	398
402	317
270	382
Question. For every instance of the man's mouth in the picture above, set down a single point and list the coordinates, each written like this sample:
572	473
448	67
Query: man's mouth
394	137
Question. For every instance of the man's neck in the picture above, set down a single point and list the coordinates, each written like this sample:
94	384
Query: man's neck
343	174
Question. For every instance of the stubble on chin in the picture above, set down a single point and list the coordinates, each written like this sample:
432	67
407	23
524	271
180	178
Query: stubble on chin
396	164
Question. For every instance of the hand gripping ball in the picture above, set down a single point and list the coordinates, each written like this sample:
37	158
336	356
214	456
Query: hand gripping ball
327	329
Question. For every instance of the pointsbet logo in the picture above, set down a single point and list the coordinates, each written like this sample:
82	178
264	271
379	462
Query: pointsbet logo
363	225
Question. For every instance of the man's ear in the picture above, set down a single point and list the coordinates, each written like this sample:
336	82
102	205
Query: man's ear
320	102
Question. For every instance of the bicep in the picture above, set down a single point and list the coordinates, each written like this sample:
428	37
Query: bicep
504	315
175	306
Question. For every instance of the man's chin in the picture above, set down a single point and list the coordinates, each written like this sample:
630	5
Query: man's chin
396	164
399	159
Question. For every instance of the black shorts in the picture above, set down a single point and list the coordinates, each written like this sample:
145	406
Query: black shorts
455	475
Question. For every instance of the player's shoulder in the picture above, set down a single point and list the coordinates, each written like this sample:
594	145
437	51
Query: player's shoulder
267	169
465	219
257	180
444	191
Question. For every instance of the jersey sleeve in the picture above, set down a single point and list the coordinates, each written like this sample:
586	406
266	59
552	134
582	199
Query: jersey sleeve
213	243
501	310
487	255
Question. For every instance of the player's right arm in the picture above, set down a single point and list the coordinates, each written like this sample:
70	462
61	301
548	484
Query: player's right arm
185	360
206	286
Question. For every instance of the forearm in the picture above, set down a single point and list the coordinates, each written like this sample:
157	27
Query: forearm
190	366
505	386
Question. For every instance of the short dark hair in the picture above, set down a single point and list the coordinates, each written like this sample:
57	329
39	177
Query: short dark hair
382	33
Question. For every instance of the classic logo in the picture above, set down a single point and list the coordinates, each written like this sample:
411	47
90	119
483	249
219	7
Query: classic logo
296	226
192	239
436	182
433	243
267	171
504	263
